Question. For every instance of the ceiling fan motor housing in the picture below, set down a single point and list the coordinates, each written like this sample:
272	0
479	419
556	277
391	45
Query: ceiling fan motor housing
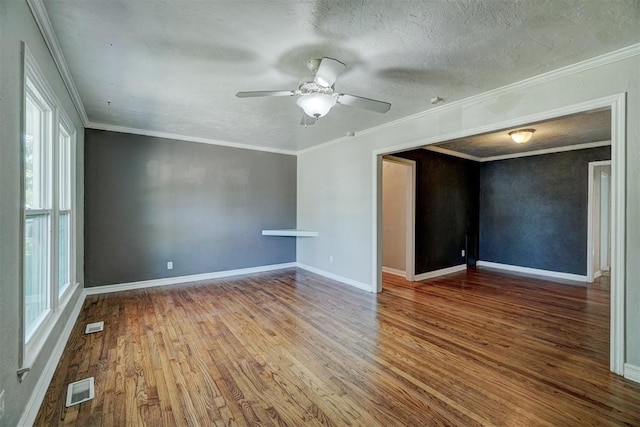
313	87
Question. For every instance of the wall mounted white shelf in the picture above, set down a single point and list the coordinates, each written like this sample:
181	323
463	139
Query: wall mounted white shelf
290	233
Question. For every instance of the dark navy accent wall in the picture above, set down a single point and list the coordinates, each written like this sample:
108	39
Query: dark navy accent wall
152	200
533	210
446	208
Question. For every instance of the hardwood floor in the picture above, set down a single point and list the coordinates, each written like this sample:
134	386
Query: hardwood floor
292	348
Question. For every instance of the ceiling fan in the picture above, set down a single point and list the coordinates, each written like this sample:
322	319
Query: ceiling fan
317	97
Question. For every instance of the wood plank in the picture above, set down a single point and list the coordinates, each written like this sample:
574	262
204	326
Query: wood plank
292	348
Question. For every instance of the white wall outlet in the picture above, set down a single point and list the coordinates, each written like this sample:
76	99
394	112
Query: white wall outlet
462	253
330	259
1	404
170	265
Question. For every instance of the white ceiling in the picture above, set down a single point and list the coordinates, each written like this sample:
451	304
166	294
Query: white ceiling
174	66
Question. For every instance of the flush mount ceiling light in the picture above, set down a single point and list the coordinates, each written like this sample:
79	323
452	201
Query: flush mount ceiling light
316	104
521	136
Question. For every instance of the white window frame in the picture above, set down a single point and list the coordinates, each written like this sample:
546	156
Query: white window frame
35	86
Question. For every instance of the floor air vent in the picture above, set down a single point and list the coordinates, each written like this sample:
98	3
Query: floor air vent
94	327
80	391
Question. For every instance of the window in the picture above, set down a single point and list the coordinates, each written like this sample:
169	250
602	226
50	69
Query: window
48	194
37	208
64	209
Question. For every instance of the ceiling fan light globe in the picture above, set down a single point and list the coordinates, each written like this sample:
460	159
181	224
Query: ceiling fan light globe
316	104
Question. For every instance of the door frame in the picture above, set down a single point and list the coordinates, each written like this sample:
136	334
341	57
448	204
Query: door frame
410	210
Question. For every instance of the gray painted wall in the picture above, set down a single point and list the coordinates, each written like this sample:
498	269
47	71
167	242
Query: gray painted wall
17	25
153	200
533	210
446	208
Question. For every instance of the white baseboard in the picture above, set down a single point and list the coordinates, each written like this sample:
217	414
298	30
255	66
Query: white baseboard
185	279
441	272
597	274
632	372
536	271
336	277
167	281
35	401
394	271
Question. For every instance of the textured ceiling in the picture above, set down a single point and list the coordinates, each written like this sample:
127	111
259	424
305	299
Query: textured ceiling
174	66
585	128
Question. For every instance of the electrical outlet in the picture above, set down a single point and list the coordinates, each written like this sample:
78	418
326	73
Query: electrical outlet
462	253
330	259
1	404
170	265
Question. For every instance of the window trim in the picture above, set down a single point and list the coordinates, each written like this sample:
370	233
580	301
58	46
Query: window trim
36	85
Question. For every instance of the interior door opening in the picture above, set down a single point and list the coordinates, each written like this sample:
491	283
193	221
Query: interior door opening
599	221
398	200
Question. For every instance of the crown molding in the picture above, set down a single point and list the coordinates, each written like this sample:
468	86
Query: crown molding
332	142
167	135
548	151
441	150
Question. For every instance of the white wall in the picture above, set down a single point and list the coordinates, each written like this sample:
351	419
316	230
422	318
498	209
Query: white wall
336	191
336	180
17	25
394	215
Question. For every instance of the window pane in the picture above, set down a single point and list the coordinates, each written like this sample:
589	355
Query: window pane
63	252
36	268
33	155
64	169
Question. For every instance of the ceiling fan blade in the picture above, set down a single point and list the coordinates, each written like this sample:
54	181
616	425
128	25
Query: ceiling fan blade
365	103
265	93
328	72
307	121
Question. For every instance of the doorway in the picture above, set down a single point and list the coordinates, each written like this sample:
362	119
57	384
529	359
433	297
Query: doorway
616	104
398	216
599	220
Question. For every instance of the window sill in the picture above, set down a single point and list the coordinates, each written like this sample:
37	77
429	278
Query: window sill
35	344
